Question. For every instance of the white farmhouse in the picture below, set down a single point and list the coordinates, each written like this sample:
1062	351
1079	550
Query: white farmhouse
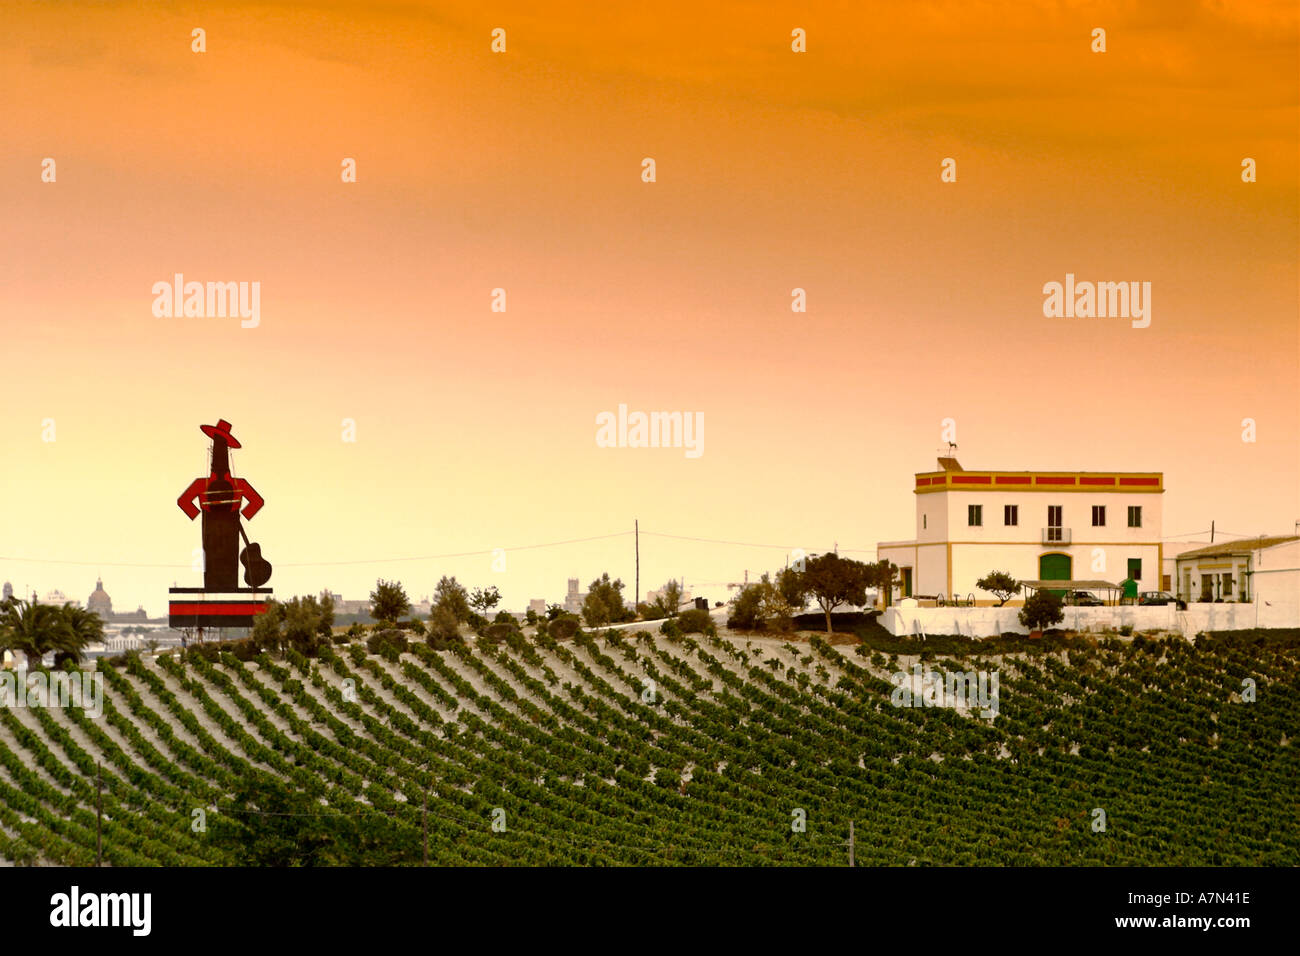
1266	568
1035	525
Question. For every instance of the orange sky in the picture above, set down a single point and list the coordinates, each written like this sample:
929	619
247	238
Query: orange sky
521	170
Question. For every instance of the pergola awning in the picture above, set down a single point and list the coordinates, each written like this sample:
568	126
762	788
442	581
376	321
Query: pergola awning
1073	585
1111	589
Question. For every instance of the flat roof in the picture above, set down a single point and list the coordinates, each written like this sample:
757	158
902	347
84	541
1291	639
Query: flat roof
1127	481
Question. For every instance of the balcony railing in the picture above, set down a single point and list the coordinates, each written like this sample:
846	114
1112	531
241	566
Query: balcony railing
1056	536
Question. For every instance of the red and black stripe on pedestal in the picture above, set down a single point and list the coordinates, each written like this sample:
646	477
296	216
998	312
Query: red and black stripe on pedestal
196	607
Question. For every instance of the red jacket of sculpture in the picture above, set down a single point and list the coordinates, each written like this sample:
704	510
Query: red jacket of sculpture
219	500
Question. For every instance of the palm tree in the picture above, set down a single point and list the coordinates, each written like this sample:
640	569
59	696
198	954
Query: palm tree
29	627
36	629
80	627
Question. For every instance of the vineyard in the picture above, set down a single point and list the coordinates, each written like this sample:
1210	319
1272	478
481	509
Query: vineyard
645	749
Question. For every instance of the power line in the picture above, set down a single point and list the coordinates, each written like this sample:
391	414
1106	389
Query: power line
746	544
432	557
319	564
457	554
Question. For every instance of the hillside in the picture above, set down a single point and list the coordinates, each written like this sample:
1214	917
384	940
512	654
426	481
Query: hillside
290	763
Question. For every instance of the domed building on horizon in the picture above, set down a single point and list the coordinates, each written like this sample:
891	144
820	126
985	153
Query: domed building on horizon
99	602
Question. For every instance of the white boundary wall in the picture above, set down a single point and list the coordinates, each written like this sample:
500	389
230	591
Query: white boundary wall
992	621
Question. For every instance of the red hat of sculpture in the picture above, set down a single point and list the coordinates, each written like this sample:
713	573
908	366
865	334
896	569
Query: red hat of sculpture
221	429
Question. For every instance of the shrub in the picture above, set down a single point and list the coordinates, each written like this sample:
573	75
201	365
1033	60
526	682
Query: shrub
505	617
670	628
358	655
695	621
1126	630
119	661
1042	609
245	650
666	778
203	652
564	627
388	643
650	612
500	631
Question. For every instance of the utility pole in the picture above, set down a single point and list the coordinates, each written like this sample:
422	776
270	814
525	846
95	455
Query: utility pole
99	816
1211	532
851	863
636	530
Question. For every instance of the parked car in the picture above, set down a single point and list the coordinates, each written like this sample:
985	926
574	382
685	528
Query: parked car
1082	599
1153	598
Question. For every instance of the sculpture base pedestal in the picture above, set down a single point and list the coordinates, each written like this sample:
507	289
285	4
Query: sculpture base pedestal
194	607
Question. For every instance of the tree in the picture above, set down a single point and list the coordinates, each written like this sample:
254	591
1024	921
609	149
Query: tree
1042	609
36	629
553	611
604	602
388	601
1000	584
883	576
451	594
790	583
304	624
444	628
764	604
747	609
670	597
484	600
80	627
833	581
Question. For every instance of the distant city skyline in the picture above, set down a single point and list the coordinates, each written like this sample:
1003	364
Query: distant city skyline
713	588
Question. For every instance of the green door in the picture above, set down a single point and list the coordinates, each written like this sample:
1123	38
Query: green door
1055	567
